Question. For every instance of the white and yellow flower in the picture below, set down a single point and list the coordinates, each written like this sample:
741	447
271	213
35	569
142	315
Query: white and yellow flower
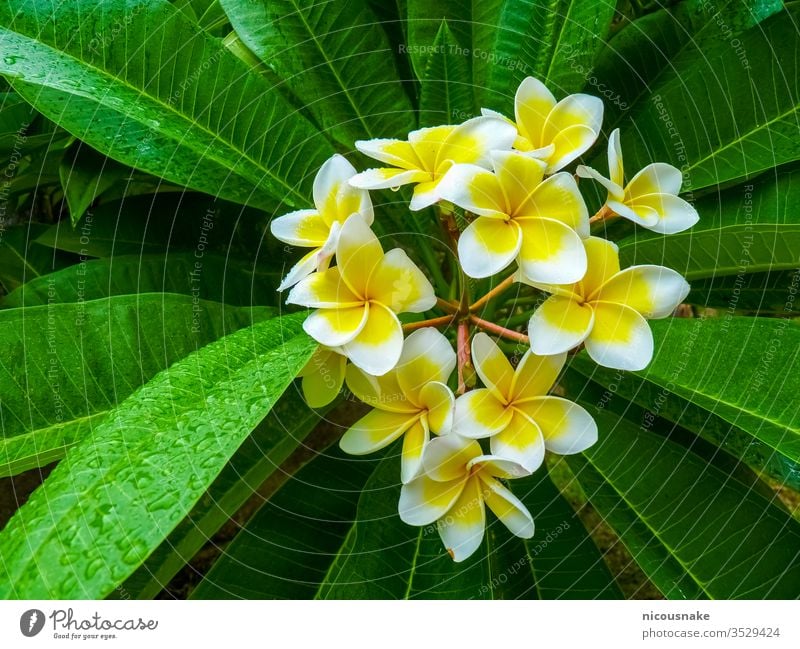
606	310
555	132
429	152
457	482
539	223
335	199
412	400
514	411
650	198
357	301
323	376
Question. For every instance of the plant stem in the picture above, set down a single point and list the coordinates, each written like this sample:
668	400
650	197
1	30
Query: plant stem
432	322
497	290
463	355
447	305
603	213
497	329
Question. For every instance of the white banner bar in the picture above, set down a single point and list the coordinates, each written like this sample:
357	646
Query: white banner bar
385	625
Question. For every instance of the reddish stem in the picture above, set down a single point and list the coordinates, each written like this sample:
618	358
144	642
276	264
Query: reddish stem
432	322
502	286
447	305
462	355
500	331
603	213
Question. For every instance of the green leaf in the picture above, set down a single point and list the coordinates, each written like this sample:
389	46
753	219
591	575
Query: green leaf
208	277
334	57
22	259
446	96
423	20
260	457
115	497
553	40
85	175
193	114
66	366
728	111
726	367
732	541
766	293
287	547
382	557
643	53
751	228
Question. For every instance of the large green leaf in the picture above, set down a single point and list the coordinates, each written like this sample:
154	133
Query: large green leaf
256	460
768	293
751	228
66	366
643	53
725	369
287	547
553	40
22	259
208	277
422	22
446	96
382	557
728	111
195	114
115	497
335	57
730	539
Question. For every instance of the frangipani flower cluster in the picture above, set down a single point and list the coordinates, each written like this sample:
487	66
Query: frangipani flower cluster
507	206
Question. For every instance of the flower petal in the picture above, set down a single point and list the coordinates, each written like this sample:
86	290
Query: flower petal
521	442
323	290
653	291
447	457
374	431
532	104
674	213
574	110
379	343
474	189
304	228
428	142
397	153
492	366
479	414
641	214
400	285
497	466
438	399
414	442
551	252
488	245
427	356
358	252
508	508
308	264
472	141
614	191
334	196
558	325
559	198
566	426
335	327
602	263
462	528
322	377
382	392
655	178
519	175
535	375
620	338
423	501
425	194
616	171
385	178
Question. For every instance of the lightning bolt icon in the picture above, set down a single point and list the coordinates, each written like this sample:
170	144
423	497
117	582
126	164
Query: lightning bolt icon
34	617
